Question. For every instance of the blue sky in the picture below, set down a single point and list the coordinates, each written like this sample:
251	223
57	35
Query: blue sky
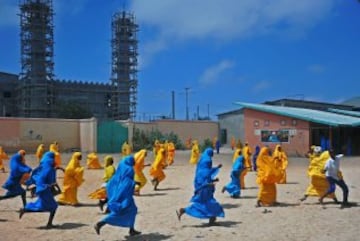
223	50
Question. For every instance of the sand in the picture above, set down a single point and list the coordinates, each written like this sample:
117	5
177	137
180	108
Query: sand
157	219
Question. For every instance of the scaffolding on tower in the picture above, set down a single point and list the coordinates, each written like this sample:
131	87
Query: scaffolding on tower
36	91
124	51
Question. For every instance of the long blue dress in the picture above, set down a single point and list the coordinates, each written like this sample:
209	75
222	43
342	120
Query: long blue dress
233	187
120	190
43	176
257	151
204	205
17	170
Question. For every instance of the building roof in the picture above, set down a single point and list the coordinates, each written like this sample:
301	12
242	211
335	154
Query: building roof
316	116
232	112
315	105
345	112
355	101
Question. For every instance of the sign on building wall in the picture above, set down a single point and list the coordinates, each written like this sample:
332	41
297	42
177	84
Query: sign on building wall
274	135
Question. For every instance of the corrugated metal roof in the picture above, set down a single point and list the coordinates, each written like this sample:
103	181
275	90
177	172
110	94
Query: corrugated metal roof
316	116
345	112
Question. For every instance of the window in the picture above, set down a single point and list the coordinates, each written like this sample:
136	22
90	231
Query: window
283	122
256	123
267	123
7	94
294	122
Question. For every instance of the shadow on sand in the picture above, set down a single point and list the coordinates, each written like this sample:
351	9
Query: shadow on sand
291	183
248	197
168	189
66	226
226	224
230	205
149	237
249	188
152	194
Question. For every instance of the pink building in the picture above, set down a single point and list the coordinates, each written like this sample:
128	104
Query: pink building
295	128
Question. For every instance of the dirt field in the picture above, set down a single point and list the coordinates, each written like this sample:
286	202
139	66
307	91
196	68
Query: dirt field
157	219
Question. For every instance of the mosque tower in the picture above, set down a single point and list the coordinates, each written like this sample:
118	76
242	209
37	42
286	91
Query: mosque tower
124	52
35	91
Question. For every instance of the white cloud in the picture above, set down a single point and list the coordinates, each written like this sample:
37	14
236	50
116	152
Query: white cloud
229	20
316	68
8	13
214	73
261	86
70	7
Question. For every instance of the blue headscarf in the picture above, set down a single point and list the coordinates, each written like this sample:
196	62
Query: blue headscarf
45	173
43	176
122	184
205	173
120	190
17	169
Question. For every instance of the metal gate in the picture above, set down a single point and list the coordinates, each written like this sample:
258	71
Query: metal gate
111	136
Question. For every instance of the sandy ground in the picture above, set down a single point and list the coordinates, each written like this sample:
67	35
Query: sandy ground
157	219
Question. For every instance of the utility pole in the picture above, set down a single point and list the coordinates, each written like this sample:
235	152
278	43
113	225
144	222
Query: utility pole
208	111
173	104
187	104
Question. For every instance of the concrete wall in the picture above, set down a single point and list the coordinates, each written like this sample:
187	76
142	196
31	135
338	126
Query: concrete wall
234	126
255	121
28	133
196	130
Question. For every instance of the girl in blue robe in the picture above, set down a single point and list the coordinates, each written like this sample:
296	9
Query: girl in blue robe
204	205
233	187
43	177
120	190
257	151
18	169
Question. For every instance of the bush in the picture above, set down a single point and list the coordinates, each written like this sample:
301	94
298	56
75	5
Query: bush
206	143
145	140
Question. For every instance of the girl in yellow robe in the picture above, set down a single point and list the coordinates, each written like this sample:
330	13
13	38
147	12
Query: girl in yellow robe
246	152
92	161
40	152
195	152
54	147
3	157
318	185
156	170
171	153
126	149
281	161
73	178
139	166
267	177
238	149
156	147
109	171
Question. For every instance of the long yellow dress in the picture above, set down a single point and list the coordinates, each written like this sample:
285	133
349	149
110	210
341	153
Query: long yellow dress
54	147
73	178
267	177
318	185
40	152
92	161
281	162
139	176
156	170
156	147
109	171
195	152
170	153
3	157
246	152
126	149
